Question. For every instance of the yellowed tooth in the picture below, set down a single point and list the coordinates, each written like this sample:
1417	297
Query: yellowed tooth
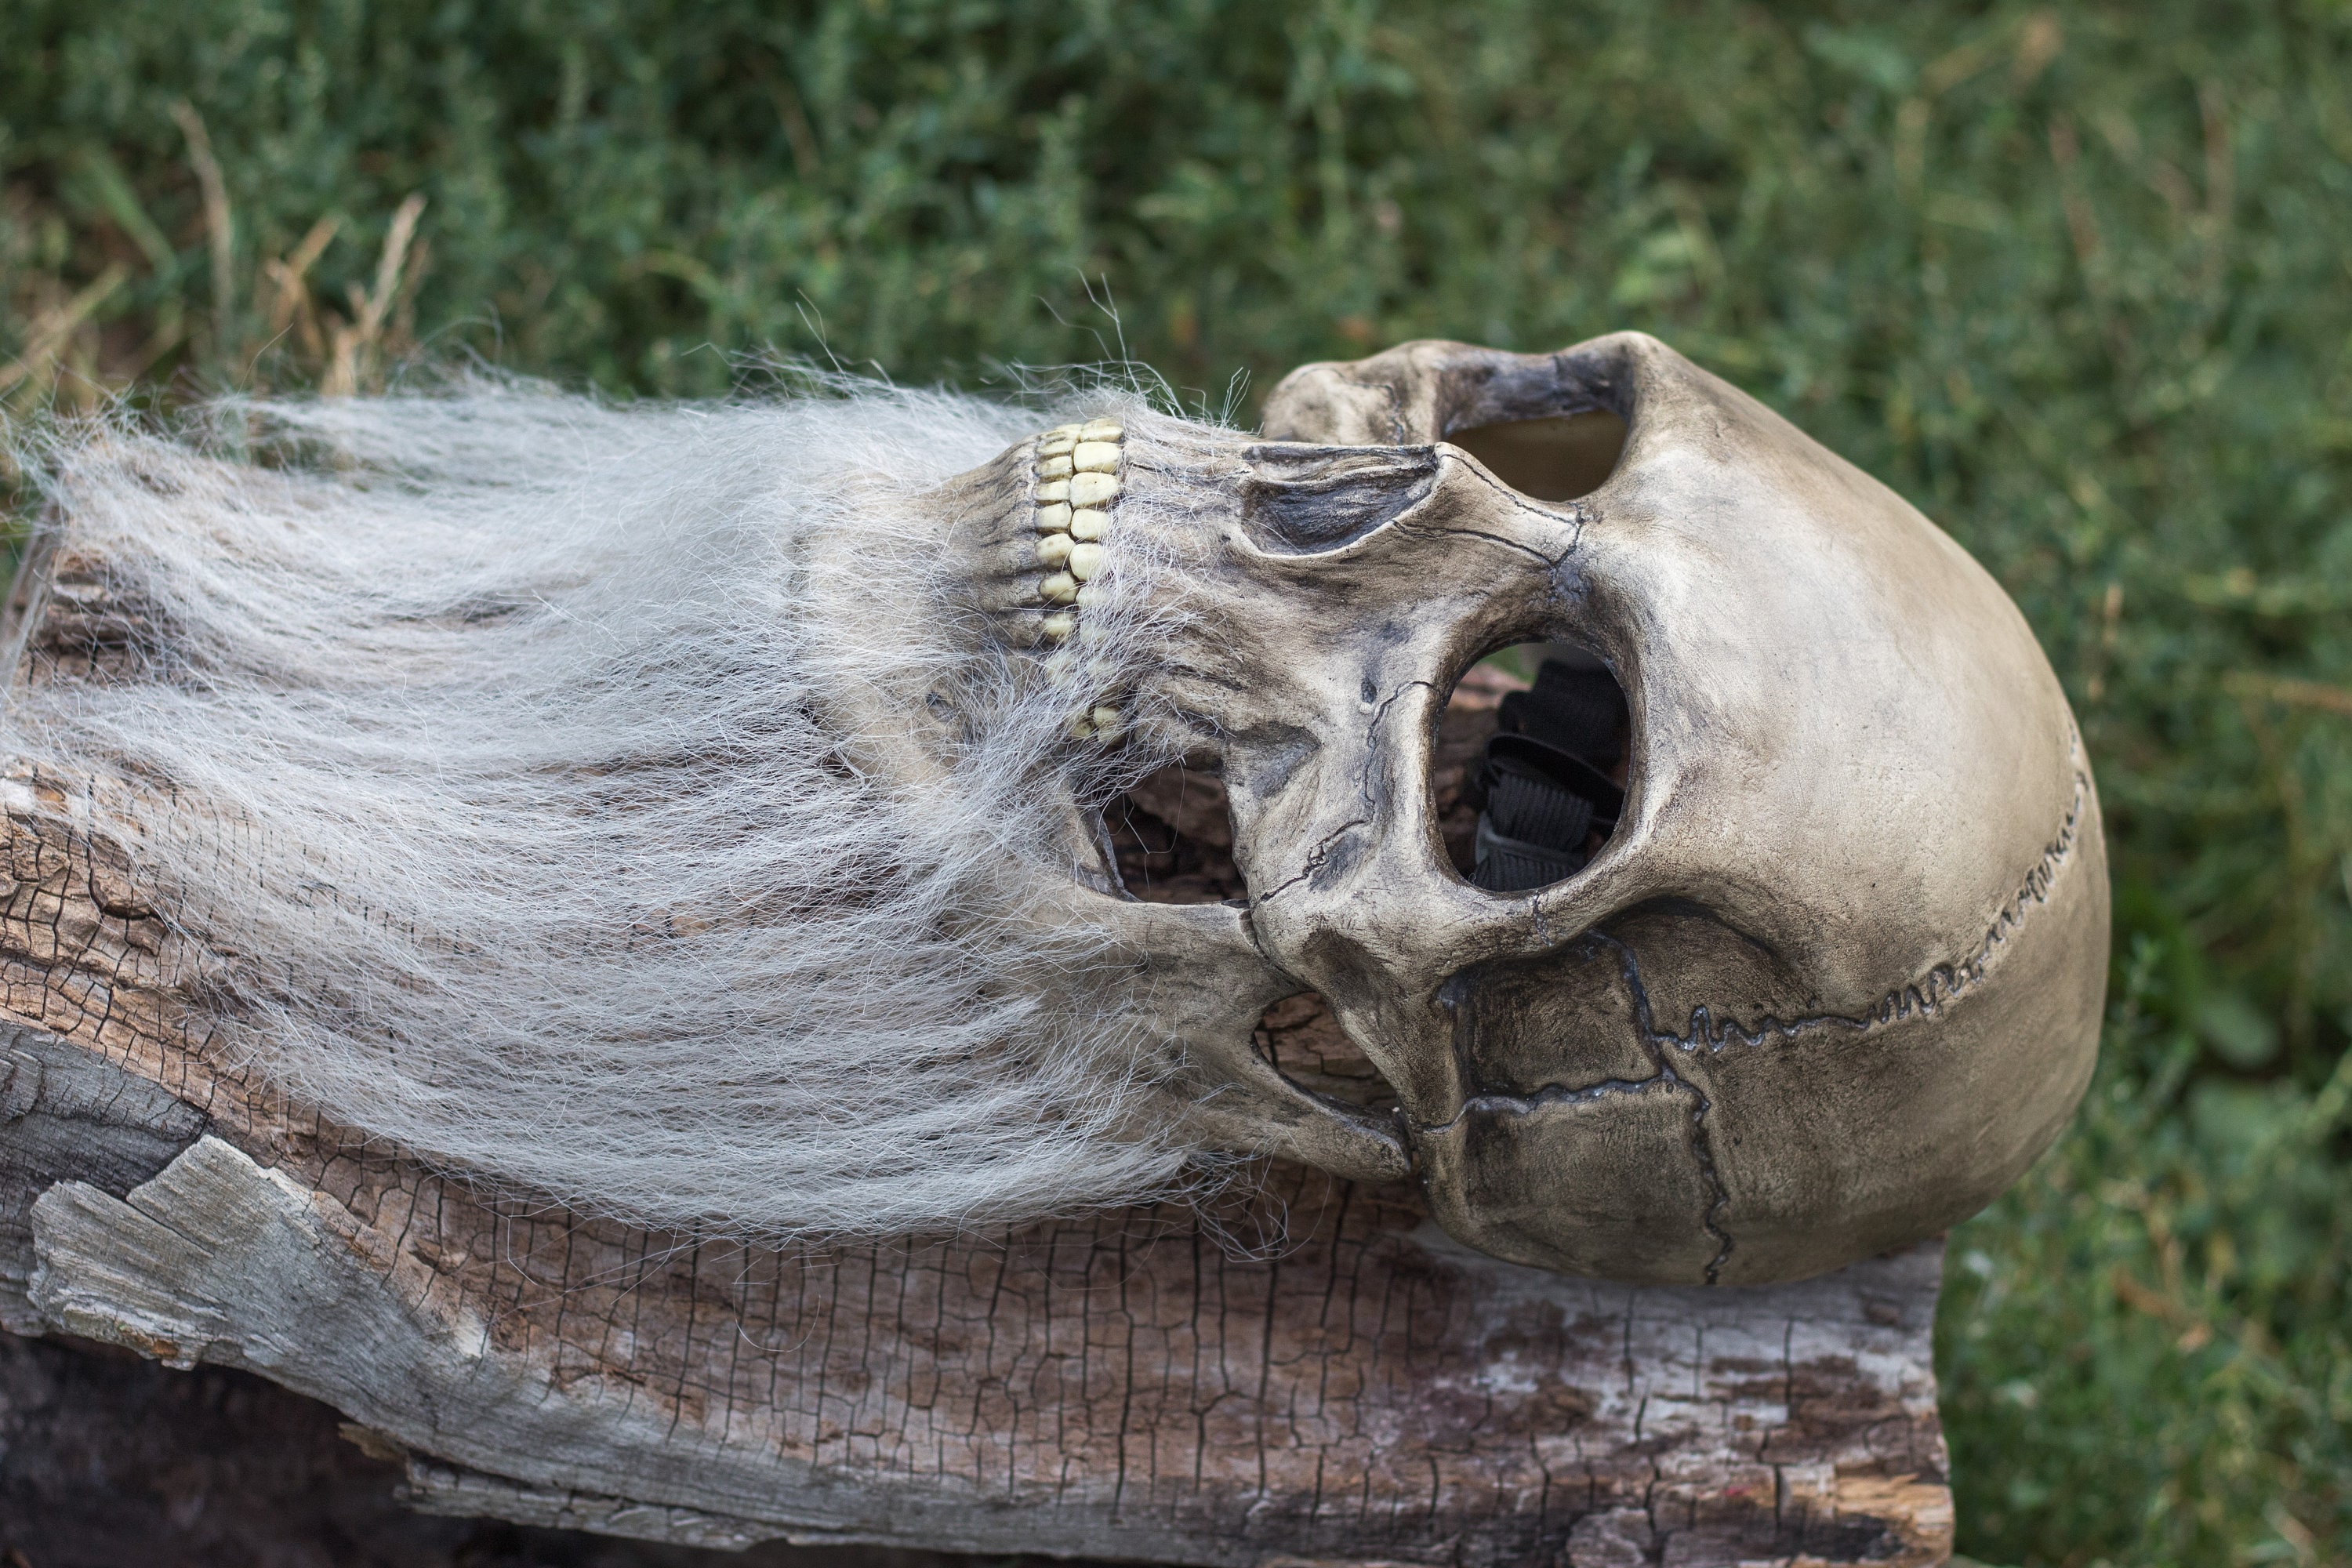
1088	524
1107	721
1057	625
1101	430
1052	549
1082	727
1056	445
1085	560
1092	594
1059	589
1054	468
1060	431
1094	456
1052	490
1053	518
1094	489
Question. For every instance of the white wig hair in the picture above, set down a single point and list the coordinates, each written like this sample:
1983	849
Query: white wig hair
474	750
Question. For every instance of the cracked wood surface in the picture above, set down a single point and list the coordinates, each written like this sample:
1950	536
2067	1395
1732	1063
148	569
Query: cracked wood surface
1306	1368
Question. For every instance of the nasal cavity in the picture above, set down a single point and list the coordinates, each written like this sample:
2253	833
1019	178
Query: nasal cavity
1559	458
1299	1038
1532	765
1174	836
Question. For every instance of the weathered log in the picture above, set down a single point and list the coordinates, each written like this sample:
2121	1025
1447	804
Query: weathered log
1299	1369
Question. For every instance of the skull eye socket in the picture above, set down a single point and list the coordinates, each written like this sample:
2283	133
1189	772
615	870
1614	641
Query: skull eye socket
1531	766
1556	458
1172	835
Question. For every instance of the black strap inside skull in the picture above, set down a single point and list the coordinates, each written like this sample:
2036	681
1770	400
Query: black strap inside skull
1545	789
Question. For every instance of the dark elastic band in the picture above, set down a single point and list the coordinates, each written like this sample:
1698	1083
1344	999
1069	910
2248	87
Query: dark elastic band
1577	709
1527	757
1507	864
1543	790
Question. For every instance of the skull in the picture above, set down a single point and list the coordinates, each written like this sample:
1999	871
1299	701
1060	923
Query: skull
1832	983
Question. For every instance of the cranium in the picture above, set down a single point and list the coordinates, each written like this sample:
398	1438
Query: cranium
1836	977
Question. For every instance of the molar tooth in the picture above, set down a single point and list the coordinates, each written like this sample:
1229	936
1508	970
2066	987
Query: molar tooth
1094	456
1061	588
1082	727
1052	549
1052	446
1094	489
1085	560
1090	594
1101	430
1106	722
1052	490
1053	517
1088	523
1057	625
1054	468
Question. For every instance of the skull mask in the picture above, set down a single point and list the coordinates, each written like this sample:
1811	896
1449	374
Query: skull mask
1835	979
703	816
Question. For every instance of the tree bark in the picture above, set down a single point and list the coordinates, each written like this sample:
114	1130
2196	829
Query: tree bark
107	1459
1300	1370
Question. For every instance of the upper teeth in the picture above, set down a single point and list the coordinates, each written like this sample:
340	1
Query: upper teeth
1076	487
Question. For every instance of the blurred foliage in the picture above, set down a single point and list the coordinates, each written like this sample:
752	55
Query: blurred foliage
2075	280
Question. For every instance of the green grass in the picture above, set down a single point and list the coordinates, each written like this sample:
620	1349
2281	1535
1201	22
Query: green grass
2075	280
